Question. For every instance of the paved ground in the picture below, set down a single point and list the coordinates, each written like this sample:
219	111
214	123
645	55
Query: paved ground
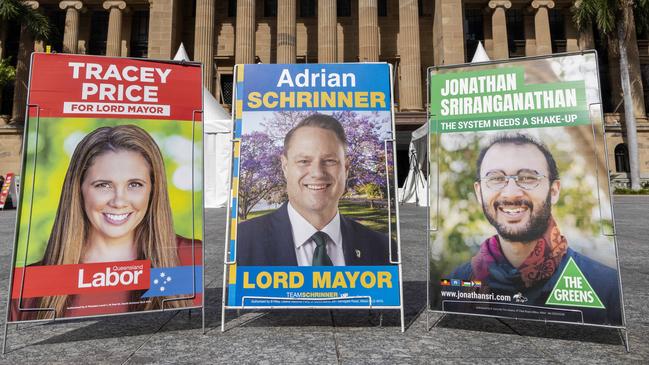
349	337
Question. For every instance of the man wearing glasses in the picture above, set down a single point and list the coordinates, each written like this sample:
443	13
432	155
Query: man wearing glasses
517	183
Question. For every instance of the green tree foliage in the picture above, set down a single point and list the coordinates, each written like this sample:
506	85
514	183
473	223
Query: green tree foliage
7	72
616	19
37	23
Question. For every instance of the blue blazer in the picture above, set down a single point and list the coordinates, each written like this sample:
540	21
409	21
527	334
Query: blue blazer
268	241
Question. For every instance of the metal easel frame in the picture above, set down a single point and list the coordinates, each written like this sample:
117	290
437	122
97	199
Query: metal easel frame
597	130
230	250
33	180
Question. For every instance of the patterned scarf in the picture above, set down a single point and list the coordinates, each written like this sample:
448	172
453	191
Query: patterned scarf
538	266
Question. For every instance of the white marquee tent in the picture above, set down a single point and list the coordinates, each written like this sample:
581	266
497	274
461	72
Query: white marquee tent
415	188
217	128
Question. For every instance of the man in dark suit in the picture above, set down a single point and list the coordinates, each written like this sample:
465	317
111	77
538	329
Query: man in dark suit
308	230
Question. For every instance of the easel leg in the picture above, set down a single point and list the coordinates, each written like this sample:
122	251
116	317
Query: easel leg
625	339
427	320
203	319
222	318
437	321
4	339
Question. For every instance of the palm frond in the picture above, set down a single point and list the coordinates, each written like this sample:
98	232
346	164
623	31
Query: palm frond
9	9
37	23
601	13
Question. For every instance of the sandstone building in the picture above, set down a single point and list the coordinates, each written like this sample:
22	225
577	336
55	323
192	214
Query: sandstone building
411	35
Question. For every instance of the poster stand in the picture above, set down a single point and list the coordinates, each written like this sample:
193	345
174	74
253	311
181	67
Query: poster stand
195	122
434	226
11	273
230	248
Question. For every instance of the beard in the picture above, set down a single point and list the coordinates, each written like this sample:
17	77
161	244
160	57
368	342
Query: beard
535	227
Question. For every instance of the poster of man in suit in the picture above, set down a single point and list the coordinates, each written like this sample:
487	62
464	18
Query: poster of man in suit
313	210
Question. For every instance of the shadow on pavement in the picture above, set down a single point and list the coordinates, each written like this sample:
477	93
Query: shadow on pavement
557	331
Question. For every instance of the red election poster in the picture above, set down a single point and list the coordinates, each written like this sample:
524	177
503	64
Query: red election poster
4	192
111	217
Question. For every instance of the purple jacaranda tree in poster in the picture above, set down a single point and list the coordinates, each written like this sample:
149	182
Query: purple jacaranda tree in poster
261	178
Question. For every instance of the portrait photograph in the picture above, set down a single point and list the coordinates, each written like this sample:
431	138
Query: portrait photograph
99	191
307	172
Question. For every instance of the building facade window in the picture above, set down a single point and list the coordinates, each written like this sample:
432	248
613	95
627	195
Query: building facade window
382	7
515	32
140	34
343	8
307	8
270	8
473	31
232	8
11	50
557	30
226	84
98	33
643	48
622	158
57	22
608	103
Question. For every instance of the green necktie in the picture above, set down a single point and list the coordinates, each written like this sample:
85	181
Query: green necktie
320	257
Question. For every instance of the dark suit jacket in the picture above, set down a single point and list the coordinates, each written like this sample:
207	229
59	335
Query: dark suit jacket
268	241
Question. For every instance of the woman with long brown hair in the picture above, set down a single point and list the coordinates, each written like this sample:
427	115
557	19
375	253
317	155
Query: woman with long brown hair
114	206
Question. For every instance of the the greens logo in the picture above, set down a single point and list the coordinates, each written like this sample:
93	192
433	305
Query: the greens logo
573	290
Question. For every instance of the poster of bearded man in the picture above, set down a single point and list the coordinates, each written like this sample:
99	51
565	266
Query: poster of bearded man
520	208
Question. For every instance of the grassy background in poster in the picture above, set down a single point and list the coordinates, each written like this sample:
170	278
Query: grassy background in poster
57	138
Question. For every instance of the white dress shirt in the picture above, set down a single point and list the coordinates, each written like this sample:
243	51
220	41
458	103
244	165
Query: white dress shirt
304	246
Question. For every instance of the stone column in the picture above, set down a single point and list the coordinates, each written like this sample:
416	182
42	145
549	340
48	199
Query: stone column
327	31
499	28
25	49
368	31
163	25
245	32
114	42
286	31
542	26
410	86
204	40
448	32
71	32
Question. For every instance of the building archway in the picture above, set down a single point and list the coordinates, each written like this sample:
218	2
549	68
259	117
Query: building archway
622	158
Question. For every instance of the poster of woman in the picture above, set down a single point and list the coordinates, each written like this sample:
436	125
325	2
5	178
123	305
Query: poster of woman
111	206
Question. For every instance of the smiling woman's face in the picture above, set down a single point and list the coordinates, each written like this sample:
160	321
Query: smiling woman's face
116	192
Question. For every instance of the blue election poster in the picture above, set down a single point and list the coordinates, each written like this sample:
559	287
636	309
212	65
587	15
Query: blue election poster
313	219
